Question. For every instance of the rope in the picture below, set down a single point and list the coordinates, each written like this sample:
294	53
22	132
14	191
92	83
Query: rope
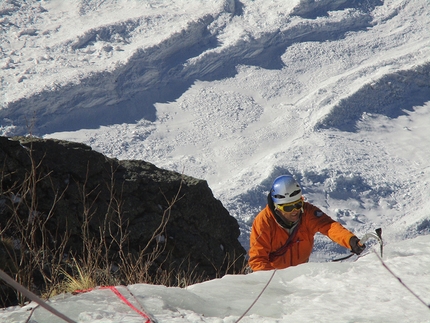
147	318
31	313
9	280
140	305
255	301
127	302
401	282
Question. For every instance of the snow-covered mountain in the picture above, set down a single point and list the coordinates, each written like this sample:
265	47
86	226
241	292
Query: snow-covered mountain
336	93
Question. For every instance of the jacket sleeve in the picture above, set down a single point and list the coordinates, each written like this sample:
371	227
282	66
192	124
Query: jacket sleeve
260	242
321	222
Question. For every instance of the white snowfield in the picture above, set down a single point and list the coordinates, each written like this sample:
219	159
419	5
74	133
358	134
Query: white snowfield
237	92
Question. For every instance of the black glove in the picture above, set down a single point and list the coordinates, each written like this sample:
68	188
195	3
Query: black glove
356	246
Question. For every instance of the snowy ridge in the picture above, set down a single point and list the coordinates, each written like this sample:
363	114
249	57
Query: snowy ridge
390	96
161	73
83	82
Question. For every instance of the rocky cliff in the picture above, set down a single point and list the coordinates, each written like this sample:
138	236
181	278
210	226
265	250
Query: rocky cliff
77	194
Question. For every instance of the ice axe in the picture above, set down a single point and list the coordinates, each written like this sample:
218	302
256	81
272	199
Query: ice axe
376	235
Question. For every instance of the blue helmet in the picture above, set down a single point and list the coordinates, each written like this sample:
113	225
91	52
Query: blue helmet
285	189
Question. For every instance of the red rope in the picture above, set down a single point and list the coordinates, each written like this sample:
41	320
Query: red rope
122	298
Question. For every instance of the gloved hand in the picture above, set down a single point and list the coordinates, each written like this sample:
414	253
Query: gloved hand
356	246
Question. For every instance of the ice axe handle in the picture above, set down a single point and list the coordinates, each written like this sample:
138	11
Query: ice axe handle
379	233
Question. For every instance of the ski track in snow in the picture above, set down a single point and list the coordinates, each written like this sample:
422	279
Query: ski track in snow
237	93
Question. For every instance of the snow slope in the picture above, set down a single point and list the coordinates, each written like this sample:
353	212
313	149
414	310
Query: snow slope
336	93
360	291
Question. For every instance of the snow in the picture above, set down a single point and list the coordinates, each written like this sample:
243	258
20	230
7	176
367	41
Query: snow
336	93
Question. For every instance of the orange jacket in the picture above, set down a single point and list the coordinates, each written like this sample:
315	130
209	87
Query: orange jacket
268	236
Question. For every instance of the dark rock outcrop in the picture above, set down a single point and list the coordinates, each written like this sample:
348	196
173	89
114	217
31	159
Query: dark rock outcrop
67	183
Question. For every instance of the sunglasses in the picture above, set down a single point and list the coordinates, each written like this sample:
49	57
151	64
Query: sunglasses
289	207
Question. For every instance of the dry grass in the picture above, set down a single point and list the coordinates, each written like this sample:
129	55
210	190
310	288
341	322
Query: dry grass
81	280
31	250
